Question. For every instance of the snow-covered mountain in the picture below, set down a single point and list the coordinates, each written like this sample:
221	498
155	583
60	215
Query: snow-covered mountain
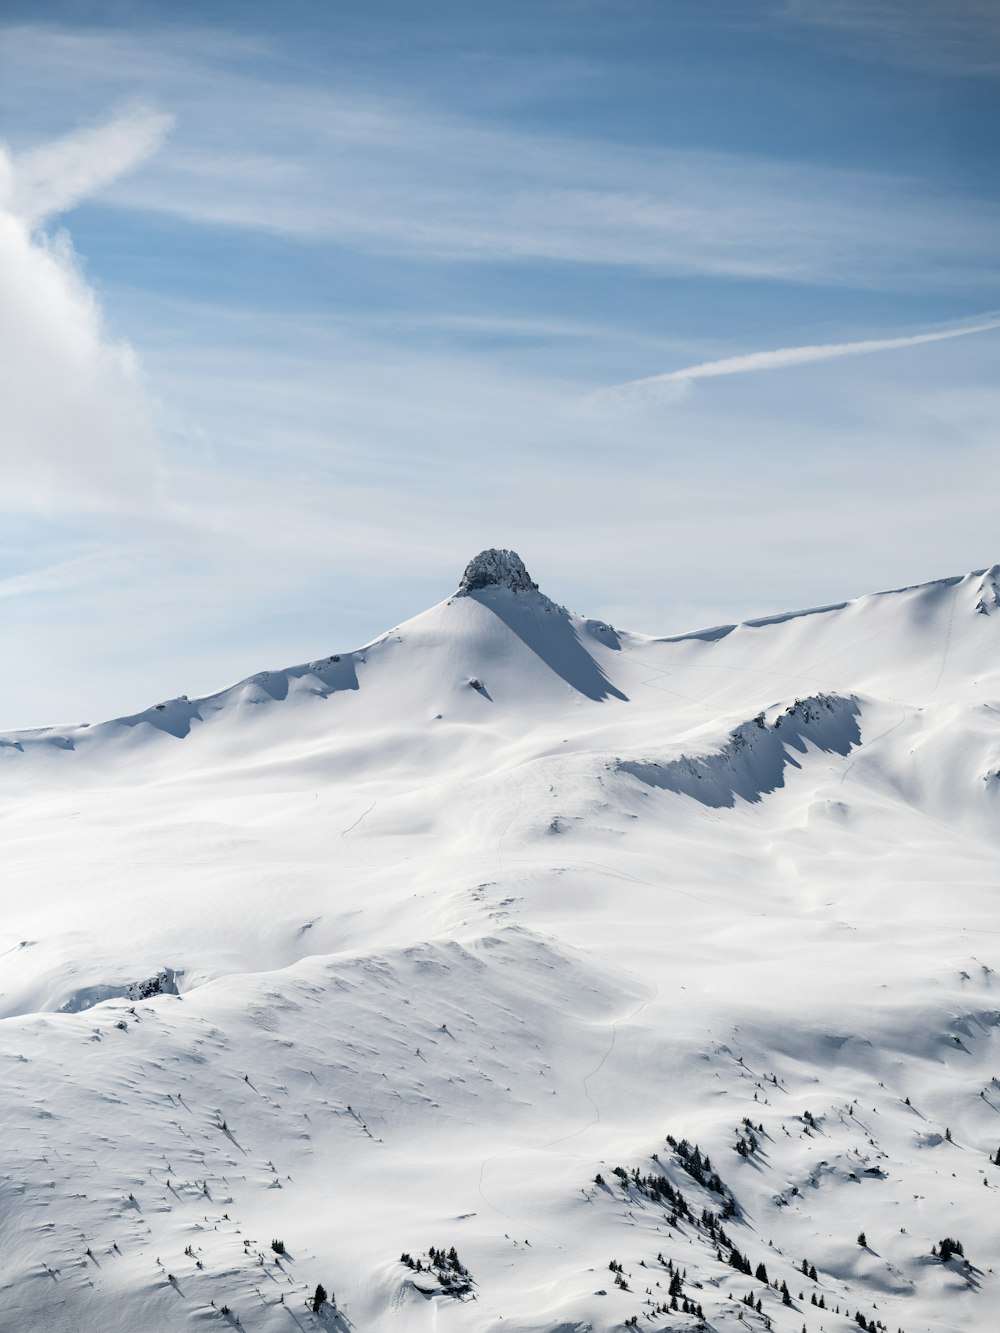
466	939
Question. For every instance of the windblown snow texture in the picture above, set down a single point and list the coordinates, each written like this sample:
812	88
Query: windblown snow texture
516	972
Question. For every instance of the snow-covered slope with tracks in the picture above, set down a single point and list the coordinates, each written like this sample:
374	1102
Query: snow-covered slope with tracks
413	946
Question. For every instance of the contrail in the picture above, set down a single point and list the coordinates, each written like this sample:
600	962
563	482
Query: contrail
797	356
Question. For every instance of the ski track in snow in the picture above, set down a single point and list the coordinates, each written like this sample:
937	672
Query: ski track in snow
947	640
866	748
565	1138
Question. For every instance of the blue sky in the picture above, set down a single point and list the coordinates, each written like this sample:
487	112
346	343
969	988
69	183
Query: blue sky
305	304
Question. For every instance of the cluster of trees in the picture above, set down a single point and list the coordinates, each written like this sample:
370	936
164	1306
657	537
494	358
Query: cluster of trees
870	1325
699	1168
696	1164
739	1261
619	1273
452	1275
679	1305
742	1265
659	1190
747	1145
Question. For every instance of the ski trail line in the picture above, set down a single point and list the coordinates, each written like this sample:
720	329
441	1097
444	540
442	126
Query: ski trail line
564	1138
947	641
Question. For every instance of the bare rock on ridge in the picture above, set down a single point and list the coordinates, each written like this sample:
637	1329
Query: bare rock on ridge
493	568
989	591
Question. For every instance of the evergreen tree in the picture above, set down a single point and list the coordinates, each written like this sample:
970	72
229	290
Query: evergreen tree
319	1298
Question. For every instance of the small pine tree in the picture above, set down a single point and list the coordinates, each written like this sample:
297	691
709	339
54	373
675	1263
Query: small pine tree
319	1298
862	1240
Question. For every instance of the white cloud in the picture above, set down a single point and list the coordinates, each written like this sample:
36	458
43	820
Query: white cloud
56	176
77	423
783	357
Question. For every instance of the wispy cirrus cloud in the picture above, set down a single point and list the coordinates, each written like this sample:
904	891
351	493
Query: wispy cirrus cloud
397	180
368	169
957	37
74	572
782	358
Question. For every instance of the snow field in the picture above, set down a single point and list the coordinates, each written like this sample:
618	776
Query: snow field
492	906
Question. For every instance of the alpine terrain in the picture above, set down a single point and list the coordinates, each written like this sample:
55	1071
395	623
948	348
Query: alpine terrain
516	972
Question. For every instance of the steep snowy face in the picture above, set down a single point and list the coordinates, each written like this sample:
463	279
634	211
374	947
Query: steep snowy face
989	592
493	568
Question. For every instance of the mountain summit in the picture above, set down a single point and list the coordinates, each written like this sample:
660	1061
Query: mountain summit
493	568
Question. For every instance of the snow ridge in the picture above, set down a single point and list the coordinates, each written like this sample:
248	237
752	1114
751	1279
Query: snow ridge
753	760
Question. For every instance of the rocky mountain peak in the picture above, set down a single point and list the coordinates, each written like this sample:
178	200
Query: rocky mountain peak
493	568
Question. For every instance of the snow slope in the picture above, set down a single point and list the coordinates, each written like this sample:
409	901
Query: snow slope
405	947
